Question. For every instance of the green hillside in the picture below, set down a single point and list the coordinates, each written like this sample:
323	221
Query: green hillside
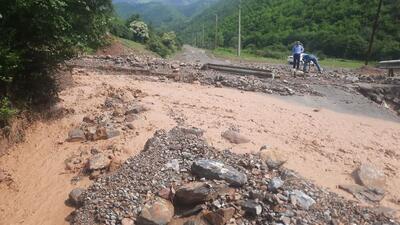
334	28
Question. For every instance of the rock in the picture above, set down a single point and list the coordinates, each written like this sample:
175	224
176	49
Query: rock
275	184
76	135
99	161
301	200
127	221
216	170
103	133
220	217
273	158
75	196
194	193
167	193
252	208
136	109
88	119
369	176
234	137
158	212
130	126
365	194
173	164
130	118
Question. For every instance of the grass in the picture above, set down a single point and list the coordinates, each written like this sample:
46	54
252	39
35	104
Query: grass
139	47
228	53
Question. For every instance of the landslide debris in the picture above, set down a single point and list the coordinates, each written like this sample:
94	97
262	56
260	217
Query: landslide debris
150	188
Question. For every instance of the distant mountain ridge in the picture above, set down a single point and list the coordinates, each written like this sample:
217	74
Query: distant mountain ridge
162	14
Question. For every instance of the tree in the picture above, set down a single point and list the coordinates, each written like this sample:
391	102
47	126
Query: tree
140	30
37	35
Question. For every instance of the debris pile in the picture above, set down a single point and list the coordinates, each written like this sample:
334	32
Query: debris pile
179	179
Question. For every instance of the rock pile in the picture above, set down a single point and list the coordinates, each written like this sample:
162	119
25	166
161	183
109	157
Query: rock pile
179	179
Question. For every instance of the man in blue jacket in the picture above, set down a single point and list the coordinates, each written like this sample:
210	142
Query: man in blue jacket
296	51
307	59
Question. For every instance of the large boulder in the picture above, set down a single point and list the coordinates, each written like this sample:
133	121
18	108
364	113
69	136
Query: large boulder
194	193
234	137
158	212
369	176
211	169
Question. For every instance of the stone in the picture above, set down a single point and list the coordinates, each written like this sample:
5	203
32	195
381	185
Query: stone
275	184
103	133
365	194
173	164
234	137
273	158
137	109
127	221
157	212
194	193
252	208
167	193
75	196
220	217
99	161
130	126
88	119
76	135
369	176
211	169
300	199
130	118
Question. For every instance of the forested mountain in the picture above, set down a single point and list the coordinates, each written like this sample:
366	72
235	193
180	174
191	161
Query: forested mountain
161	14
336	28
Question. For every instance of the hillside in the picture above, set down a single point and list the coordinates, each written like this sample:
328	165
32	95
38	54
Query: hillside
162	15
334	28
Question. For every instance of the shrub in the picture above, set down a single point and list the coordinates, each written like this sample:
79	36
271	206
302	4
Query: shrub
6	112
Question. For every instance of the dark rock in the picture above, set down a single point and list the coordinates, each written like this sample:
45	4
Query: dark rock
275	184
194	193
76	135
75	196
216	170
158	212
252	208
365	194
234	137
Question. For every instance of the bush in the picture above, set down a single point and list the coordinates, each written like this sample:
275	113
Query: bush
6	112
37	35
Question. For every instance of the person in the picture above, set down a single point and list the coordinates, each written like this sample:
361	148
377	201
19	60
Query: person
307	59
296	51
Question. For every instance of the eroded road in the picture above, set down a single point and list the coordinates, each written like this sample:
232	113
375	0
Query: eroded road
323	138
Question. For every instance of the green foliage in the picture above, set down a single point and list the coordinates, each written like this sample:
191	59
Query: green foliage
6	112
37	35
140	30
119	29
335	28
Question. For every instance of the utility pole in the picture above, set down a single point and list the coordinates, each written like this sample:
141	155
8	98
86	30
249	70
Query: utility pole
374	28
203	41
216	32
239	29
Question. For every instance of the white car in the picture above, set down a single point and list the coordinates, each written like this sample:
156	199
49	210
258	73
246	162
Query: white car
290	59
